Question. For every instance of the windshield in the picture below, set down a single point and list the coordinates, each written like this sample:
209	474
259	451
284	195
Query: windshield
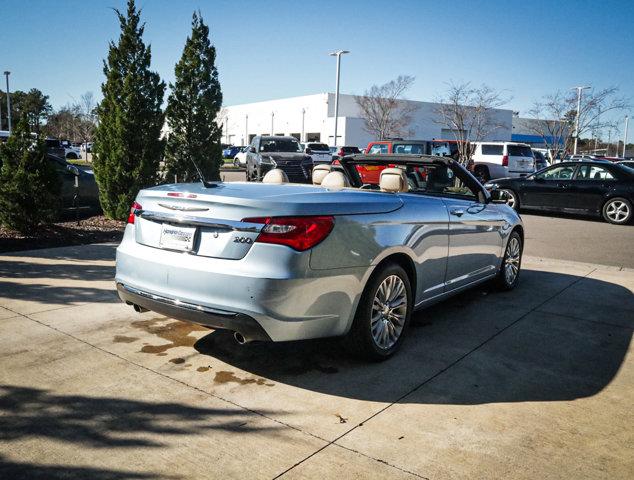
318	147
519	151
405	148
279	145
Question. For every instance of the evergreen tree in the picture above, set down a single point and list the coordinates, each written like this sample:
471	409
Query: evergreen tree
29	183
192	108
128	147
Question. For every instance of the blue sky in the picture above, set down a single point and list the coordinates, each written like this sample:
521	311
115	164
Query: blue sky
275	49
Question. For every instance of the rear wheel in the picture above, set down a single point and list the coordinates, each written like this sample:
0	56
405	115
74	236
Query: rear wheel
383	314
617	211
512	199
511	263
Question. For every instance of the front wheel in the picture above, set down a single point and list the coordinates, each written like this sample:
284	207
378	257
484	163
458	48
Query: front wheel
617	211
383	314
511	263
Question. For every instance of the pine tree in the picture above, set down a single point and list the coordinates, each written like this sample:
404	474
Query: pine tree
128	147
29	183
192	108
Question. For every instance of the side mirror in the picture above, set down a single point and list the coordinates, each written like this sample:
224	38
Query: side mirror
251	149
308	151
73	169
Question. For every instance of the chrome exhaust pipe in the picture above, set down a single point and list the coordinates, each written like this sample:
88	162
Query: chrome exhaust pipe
239	338
139	309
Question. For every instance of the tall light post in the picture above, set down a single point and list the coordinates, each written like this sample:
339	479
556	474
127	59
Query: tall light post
272	119
579	90
246	129
625	135
337	54
301	137
6	74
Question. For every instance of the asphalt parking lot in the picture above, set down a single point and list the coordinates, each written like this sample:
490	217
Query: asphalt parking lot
535	383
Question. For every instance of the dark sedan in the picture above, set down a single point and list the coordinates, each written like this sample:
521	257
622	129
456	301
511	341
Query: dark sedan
79	188
584	187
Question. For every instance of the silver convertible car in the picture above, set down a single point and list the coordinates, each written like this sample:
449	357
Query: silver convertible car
276	261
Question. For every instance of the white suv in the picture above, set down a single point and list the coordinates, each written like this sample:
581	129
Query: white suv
319	152
502	159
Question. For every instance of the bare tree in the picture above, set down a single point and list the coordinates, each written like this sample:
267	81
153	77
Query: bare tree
384	110
469	113
85	110
553	117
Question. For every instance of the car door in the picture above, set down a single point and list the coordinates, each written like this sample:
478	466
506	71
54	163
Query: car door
549	189
475	240
590	185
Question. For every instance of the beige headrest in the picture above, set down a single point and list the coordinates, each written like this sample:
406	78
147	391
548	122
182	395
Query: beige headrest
320	172
276	175
393	180
335	180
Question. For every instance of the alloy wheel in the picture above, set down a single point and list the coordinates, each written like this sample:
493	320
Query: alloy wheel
511	200
389	309
512	260
617	211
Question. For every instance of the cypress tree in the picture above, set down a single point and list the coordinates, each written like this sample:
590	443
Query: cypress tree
127	144
192	108
29	184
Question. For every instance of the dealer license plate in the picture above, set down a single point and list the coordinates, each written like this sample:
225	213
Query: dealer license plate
177	238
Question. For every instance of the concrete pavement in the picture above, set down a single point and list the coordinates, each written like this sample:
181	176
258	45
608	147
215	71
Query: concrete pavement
534	383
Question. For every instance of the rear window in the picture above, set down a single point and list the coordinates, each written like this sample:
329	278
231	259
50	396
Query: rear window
493	149
350	150
519	151
318	146
378	148
415	149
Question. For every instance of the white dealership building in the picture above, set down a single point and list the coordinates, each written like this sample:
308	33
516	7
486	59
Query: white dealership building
312	118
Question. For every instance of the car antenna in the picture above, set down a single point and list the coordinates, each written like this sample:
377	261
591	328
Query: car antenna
200	173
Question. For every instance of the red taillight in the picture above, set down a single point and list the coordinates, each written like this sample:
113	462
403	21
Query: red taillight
299	233
133	209
341	153
336	162
505	161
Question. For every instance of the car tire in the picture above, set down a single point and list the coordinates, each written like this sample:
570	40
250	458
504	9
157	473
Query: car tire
378	329
513	200
481	172
509	273
617	211
71	156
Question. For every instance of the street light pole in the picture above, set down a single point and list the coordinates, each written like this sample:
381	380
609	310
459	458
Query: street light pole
337	54
246	129
625	135
6	74
272	117
579	90
301	137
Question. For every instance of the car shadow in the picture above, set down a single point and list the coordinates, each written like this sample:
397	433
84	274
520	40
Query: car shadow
487	349
568	216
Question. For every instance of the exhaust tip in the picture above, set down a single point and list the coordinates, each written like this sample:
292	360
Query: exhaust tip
139	309
239	338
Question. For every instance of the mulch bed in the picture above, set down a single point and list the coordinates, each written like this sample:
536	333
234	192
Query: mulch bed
97	229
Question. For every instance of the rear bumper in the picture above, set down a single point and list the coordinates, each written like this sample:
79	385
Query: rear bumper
272	285
173	308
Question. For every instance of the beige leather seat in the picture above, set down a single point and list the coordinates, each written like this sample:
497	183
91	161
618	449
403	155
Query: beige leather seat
320	172
393	180
335	180
276	175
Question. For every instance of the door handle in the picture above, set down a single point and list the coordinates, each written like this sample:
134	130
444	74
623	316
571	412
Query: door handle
458	212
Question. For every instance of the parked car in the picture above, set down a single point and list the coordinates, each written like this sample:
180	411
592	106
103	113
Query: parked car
540	159
55	147
587	187
285	153
347	150
230	152
86	191
502	159
71	152
240	159
319	152
288	262
445	148
370	173
86	147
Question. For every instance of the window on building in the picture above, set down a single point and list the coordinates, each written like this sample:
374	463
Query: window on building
313	137
251	137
